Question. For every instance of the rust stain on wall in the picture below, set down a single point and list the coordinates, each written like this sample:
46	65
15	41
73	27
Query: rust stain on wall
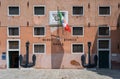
75	63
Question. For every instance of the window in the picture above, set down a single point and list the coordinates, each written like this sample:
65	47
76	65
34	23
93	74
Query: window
77	31
39	10
77	48
13	31
103	44
39	31
104	10
104	31
77	10
39	48
13	10
13	44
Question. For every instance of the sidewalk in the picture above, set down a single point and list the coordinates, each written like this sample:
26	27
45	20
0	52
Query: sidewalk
59	74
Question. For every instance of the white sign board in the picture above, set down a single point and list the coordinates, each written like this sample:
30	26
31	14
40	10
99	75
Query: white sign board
54	18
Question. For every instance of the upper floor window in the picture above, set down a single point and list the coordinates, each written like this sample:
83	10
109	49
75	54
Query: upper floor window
39	31
77	31
78	10
13	31
13	10
104	10
104	31
39	10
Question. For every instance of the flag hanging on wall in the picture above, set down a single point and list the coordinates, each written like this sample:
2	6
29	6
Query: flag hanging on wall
63	22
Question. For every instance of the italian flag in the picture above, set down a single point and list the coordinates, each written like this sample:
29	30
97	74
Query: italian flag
63	22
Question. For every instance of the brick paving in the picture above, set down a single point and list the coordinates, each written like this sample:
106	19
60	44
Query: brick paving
59	74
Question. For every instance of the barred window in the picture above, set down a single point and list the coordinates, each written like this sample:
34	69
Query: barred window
39	48
39	10
77	48
77	31
13	10
13	31
77	10
104	31
39	31
104	10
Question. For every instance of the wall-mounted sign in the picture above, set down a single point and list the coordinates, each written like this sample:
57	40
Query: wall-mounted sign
54	19
4	56
65	39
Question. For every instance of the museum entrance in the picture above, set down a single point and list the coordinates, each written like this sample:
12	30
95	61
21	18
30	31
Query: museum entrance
104	54
13	59
13	50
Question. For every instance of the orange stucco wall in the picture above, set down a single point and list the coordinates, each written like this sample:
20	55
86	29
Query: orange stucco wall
58	56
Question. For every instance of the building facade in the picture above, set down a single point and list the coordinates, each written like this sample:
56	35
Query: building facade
36	21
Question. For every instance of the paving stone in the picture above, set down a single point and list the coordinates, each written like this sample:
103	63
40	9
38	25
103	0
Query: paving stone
59	74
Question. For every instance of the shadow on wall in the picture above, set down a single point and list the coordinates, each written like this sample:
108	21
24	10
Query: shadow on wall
57	53
115	46
115	42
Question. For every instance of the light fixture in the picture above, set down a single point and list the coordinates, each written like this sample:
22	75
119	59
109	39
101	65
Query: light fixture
0	3
27	23
88	24
118	5
28	3
88	5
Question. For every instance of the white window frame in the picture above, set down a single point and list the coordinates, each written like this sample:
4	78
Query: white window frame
77	52
39	44
104	6
39	35
13	35
77	14
104	35
78	35
39	6
13	6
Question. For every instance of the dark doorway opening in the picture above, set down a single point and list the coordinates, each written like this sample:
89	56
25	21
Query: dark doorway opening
103	59
13	59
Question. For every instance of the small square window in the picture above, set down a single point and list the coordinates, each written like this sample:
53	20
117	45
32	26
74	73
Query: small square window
104	10
39	10
13	44
39	48
77	48
13	10
39	31
104	31
77	10
77	31
13	31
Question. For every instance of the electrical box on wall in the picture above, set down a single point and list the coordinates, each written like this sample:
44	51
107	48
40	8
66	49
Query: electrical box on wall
4	56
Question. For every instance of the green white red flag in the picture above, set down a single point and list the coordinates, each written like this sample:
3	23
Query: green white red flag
63	22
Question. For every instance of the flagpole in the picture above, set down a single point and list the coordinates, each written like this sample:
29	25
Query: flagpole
58	21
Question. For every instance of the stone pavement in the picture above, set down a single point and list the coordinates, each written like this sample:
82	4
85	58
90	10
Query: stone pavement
59	74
